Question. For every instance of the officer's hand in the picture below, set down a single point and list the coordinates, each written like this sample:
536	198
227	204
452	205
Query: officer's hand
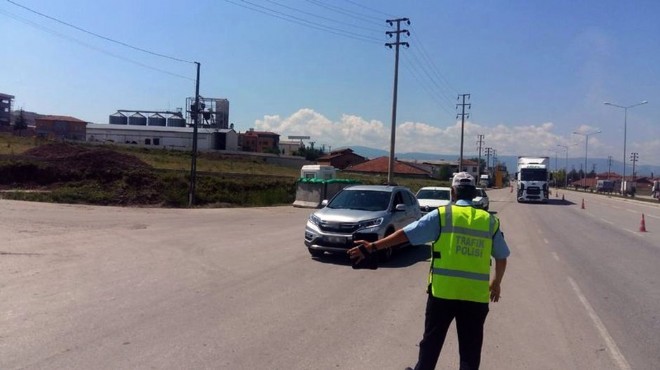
495	291
356	253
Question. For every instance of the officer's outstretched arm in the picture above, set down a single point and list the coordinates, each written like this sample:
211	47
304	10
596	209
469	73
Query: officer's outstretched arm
397	238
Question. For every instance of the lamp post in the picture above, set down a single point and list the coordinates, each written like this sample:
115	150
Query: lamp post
565	165
625	124
586	149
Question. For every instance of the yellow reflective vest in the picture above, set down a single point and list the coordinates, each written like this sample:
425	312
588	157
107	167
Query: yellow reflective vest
460	266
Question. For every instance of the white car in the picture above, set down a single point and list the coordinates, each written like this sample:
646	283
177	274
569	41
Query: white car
432	197
481	199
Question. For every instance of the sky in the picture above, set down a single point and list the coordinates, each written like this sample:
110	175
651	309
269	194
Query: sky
535	71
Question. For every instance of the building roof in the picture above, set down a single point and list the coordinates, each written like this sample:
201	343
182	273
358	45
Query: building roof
260	133
338	154
381	165
59	118
110	127
6	96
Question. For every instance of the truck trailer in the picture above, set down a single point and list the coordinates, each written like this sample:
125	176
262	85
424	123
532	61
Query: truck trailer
532	179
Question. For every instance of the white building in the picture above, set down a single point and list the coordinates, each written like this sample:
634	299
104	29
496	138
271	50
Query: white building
179	138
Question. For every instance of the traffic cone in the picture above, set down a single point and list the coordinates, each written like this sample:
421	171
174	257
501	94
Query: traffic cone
642	225
582	203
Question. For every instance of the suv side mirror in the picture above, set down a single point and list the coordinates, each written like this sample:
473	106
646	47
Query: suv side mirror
324	203
400	207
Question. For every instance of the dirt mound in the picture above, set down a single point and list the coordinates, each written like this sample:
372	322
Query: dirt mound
75	157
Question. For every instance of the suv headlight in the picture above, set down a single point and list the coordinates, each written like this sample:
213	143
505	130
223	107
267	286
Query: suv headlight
371	223
314	219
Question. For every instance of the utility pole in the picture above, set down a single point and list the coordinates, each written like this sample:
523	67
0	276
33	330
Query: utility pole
193	165
634	157
479	144
463	115
609	166
489	151
397	33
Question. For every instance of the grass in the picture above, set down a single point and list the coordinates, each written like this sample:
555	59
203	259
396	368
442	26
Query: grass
223	180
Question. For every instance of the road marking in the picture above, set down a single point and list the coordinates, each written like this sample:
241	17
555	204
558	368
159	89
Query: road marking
632	211
555	256
606	221
614	351
630	231
658	217
546	241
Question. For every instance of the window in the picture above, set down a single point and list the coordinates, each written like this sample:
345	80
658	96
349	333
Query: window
156	141
147	141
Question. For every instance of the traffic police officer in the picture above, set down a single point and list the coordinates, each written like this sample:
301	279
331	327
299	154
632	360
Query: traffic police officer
464	240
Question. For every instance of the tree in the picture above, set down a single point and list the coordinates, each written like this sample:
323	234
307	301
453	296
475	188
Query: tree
21	123
309	153
445	173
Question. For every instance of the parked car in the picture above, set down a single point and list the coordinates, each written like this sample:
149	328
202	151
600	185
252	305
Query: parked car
481	200
432	197
360	212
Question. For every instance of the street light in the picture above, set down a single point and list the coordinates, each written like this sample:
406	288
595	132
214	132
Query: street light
565	165
625	124
586	148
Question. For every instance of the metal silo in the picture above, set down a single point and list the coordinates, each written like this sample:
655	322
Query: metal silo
118	119
156	120
176	121
137	119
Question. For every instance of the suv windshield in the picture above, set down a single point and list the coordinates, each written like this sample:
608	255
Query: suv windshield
433	194
365	200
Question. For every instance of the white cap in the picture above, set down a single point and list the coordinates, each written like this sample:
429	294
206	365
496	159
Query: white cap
463	178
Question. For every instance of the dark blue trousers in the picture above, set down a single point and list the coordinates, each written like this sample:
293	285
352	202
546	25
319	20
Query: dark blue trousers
470	318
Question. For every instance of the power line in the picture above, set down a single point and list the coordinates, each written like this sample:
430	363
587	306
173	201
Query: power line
97	35
434	68
371	9
365	18
325	18
448	100
303	22
69	38
424	84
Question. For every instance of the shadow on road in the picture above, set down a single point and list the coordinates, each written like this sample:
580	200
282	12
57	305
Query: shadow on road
560	202
402	258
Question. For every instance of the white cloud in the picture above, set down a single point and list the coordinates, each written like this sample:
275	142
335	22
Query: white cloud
532	139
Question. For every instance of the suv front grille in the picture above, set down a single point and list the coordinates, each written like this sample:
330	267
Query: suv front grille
339	227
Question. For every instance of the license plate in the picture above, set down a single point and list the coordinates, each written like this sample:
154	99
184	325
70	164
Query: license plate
336	239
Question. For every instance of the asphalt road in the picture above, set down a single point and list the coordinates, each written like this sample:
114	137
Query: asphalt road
115	288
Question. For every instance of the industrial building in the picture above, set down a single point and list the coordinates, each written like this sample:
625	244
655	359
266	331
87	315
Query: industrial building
60	127
214	112
158	136
5	109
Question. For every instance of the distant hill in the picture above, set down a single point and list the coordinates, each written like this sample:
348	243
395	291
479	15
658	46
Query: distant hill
511	161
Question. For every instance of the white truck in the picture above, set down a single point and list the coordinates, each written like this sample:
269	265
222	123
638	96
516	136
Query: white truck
532	179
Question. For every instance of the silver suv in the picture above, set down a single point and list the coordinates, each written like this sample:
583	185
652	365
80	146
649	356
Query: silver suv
361	212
